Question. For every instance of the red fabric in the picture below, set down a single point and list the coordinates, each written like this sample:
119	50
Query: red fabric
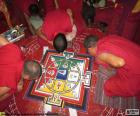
64	4
76	7
49	5
114	24
104	15
131	26
11	63
57	21
127	80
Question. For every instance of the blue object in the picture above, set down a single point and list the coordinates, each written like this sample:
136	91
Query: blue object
62	74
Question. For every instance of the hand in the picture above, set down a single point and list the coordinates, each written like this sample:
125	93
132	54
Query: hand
69	11
50	42
20	86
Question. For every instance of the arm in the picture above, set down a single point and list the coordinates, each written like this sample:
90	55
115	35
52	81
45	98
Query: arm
56	4
111	59
20	85
3	41
4	93
3	8
136	8
69	11
41	35
71	35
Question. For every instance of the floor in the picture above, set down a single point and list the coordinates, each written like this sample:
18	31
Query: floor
19	104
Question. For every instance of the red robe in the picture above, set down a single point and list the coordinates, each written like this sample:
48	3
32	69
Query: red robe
57	21
11	63
49	5
127	81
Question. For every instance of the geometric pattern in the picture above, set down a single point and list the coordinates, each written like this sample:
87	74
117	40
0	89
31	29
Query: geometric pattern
65	80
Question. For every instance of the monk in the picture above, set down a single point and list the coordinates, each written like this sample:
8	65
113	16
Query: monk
13	69
57	21
36	13
60	43
34	20
116	52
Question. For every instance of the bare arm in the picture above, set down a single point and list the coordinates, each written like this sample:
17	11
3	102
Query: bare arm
3	41
4	93
3	8
69	11
112	60
56	4
41	35
20	85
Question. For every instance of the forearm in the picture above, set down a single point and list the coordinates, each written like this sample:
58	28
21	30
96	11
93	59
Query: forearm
69	11
20	85
3	97
7	16
112	60
3	41
71	35
41	35
4	10
56	4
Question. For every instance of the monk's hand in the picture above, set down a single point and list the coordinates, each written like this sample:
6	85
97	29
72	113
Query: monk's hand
50	42
20	86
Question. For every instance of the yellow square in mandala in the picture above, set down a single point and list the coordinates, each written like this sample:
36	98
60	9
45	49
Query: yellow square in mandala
59	85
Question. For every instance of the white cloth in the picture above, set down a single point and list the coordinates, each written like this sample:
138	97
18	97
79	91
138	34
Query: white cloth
102	3
71	35
36	21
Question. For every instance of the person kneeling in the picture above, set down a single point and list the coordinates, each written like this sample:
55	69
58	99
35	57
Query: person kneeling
14	69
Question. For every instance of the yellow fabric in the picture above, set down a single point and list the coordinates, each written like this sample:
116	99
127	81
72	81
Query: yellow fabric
137	7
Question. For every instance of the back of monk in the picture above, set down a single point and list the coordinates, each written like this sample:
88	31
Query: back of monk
57	21
127	81
11	63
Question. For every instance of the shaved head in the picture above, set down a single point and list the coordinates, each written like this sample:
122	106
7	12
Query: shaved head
32	68
90	41
60	42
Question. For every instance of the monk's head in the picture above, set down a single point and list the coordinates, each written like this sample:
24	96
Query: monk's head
60	42
90	44
31	70
34	9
